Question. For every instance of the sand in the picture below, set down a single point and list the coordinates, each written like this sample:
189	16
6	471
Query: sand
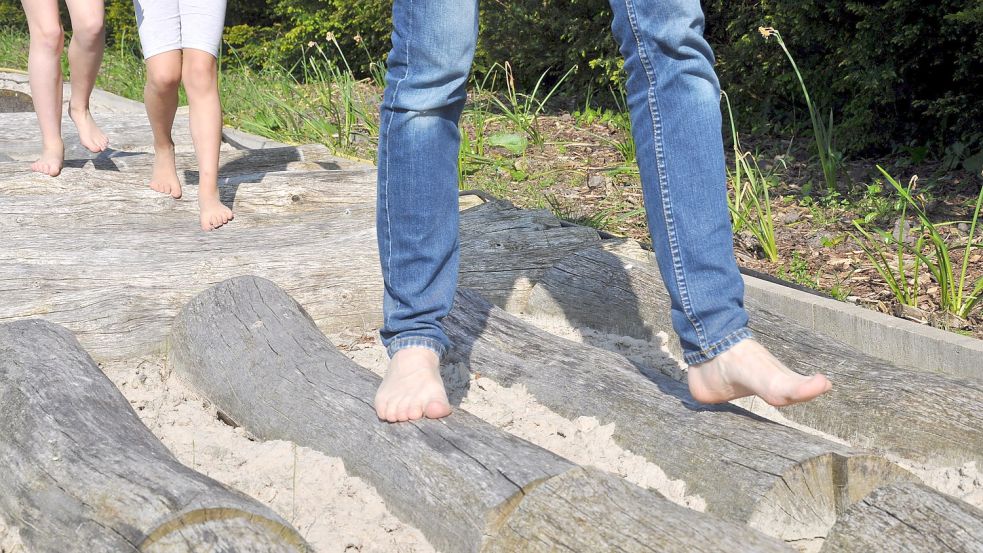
335	512
340	513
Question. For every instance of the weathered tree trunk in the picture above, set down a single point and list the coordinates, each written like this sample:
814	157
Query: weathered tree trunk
907	517
116	262
778	480
82	473
562	514
918	415
253	351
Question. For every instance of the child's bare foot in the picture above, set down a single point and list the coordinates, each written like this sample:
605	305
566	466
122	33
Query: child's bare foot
213	212
51	161
748	369
89	134
412	388
164	179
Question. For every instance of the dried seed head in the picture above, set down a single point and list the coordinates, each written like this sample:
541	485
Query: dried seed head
767	32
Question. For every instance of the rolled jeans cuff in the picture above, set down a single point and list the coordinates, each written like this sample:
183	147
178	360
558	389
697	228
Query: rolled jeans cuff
715	349
416	342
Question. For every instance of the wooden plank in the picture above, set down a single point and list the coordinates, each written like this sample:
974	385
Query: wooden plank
82	471
746	469
923	416
254	352
907	517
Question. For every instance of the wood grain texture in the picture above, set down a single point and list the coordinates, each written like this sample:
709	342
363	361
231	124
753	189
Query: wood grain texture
114	261
747	469
82	473
560	515
253	351
907	517
873	404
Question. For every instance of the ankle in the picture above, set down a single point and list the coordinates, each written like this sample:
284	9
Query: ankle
164	147
75	109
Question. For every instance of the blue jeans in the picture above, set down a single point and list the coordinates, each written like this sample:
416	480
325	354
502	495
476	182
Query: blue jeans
674	99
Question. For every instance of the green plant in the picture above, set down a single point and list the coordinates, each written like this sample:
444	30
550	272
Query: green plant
823	132
797	271
523	109
954	296
903	284
749	200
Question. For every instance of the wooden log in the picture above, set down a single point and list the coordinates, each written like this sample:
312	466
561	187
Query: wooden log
924	416
254	352
907	517
263	200
82	473
20	136
118	280
746	469
555	516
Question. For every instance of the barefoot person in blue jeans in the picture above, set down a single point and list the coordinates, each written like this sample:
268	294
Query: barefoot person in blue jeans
673	96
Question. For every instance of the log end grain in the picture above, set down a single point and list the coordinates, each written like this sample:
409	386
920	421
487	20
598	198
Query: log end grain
907	517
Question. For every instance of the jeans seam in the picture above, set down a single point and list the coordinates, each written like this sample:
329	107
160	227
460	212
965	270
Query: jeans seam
392	115
678	272
712	350
415	340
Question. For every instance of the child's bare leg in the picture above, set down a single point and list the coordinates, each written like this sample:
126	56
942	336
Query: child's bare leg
412	388
44	70
160	97
84	58
200	77
748	369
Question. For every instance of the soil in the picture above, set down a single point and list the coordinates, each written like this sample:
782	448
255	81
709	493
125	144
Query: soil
580	173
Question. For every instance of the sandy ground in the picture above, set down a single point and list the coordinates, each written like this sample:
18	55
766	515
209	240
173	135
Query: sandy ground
340	513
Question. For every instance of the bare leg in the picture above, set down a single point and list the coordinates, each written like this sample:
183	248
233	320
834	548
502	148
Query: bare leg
412	388
200	76
84	59
44	73
748	369
160	97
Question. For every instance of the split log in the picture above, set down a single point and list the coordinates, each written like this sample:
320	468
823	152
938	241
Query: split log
907	517
20	136
81	472
928	417
258	200
747	469
117	283
254	352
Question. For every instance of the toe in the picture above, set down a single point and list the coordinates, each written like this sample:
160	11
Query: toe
392	414
437	409
380	406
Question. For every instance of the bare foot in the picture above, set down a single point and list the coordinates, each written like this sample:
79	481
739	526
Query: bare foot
51	161
89	134
748	369
164	179
213	212
412	388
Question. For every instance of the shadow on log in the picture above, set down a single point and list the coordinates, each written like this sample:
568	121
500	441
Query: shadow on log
253	351
908	517
118	285
918	415
82	473
781	481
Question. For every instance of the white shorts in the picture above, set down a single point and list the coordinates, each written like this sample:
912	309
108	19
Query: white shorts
167	25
